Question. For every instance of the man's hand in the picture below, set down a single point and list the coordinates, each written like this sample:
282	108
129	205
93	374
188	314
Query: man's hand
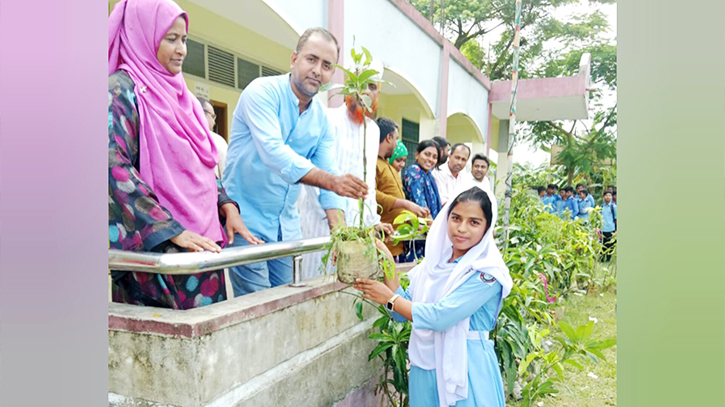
335	219
350	186
418	210
344	185
235	224
386	228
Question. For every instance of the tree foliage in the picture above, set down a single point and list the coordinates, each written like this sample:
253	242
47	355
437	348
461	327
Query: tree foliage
551	46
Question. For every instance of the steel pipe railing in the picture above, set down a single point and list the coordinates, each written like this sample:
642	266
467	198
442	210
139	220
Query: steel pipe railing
192	263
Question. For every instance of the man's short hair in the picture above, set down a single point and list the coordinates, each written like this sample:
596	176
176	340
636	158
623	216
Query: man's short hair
386	126
442	143
606	191
540	190
580	185
204	102
455	146
584	191
480	156
553	186
317	30
568	188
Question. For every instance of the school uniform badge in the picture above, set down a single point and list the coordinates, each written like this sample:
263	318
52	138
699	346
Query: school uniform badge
487	278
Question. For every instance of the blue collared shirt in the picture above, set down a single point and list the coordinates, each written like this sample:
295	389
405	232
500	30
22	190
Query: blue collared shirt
271	147
550	202
584	204
571	205
609	215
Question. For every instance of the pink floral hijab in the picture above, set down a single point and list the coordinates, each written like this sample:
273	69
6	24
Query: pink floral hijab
177	155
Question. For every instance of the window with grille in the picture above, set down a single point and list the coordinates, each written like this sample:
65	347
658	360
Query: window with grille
221	66
270	72
246	72
195	61
411	135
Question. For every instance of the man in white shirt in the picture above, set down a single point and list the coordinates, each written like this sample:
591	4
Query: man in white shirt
347	124
479	171
452	174
221	144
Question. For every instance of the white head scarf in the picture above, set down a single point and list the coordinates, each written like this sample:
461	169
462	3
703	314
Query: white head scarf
427	285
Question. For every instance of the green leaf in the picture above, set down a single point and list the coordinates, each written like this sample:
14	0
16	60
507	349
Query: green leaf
401	360
574	363
365	76
405	229
381	322
585	331
359	310
330	86
379	349
404	217
367	102
368	57
351	75
568	330
607	343
381	337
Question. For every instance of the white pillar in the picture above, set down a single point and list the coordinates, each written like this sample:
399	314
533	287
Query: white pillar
502	163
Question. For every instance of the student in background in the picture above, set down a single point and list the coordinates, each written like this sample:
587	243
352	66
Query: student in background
614	196
569	203
552	195
541	191
558	206
589	197
584	205
609	226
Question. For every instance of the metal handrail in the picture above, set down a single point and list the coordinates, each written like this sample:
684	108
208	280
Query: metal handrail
192	263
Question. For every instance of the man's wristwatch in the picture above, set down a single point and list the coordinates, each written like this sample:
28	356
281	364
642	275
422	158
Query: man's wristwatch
391	302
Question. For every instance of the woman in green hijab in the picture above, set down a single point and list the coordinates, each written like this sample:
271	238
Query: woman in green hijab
397	160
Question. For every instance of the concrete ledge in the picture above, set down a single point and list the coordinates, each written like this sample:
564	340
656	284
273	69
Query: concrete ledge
243	349
201	321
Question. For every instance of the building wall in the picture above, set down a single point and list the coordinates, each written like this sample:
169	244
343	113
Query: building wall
382	28
468	96
399	107
301	15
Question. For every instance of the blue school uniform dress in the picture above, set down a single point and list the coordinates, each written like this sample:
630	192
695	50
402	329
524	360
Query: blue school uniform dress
477	298
584	204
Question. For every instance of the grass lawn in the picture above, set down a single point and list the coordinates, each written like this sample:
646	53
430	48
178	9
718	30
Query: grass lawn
583	390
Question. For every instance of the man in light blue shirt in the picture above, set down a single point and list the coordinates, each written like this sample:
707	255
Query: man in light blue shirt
552	196
589	197
584	205
569	204
609	226
280	138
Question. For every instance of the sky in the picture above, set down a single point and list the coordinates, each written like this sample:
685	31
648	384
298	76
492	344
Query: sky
525	153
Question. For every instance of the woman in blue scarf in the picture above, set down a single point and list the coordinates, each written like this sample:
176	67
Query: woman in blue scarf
420	187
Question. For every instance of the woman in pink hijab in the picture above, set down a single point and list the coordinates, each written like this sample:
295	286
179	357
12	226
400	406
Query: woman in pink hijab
163	193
